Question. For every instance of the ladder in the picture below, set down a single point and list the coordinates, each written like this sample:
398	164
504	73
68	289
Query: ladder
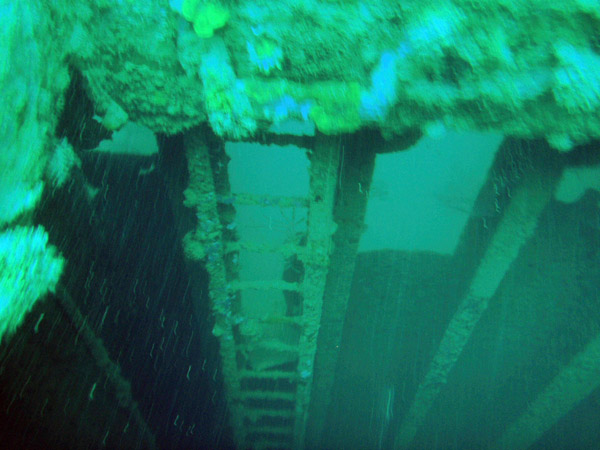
267	327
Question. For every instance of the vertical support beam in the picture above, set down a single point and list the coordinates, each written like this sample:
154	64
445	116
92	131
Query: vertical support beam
356	171
513	231
323	183
206	242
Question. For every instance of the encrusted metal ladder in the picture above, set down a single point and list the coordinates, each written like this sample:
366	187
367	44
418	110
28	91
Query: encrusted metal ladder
267	359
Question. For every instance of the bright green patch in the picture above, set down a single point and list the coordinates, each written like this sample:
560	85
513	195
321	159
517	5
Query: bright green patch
206	16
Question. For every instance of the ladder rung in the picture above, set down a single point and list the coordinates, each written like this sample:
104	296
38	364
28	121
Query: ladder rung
269	429
287	250
254	413
267	395
268	374
263	285
263	200
269	345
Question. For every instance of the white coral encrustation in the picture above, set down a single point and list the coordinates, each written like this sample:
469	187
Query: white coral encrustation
61	162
